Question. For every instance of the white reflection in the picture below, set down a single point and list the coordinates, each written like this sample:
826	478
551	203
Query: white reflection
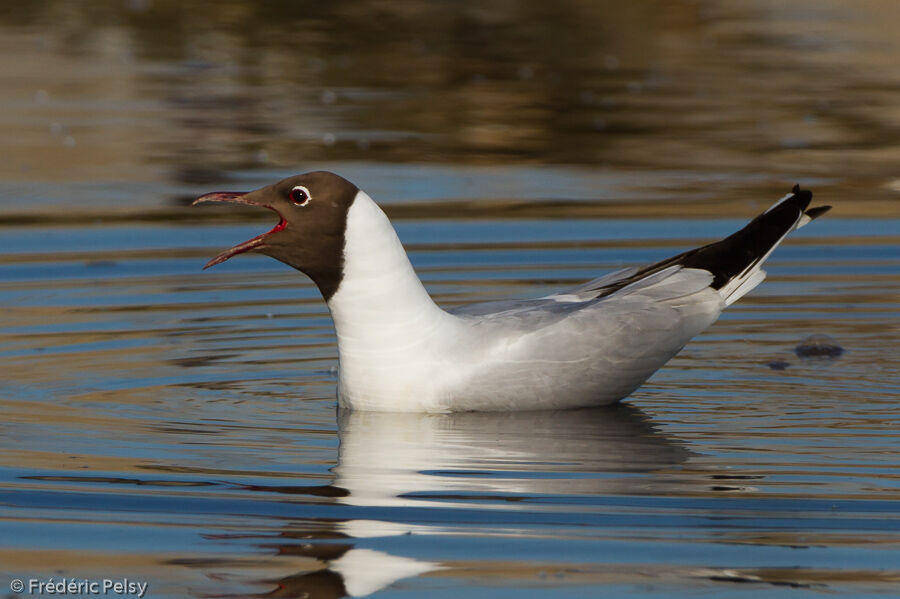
473	460
365	571
396	460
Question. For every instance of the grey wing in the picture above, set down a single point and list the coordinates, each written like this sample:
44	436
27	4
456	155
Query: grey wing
663	278
578	344
607	291
584	292
651	317
660	311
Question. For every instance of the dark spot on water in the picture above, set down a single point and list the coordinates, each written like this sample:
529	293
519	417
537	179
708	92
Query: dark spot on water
323	552
778	364
754	580
311	490
118	480
818	346
198	361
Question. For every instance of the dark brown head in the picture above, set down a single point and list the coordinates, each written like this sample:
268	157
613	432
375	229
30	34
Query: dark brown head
310	235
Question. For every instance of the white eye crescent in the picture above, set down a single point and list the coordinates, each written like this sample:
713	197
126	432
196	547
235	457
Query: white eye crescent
300	196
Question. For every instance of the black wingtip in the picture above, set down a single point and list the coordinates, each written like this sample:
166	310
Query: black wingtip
741	251
804	195
816	212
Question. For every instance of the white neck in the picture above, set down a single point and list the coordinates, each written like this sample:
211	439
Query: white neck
383	316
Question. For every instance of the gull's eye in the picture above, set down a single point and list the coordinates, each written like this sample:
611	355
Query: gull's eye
300	195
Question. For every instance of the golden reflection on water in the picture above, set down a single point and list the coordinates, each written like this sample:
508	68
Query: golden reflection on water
115	91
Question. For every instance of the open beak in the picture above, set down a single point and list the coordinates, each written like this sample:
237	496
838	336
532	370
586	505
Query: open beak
239	197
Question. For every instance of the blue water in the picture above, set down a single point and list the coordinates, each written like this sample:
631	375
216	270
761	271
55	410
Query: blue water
160	419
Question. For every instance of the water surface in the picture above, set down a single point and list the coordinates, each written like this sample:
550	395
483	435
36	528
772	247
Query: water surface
179	427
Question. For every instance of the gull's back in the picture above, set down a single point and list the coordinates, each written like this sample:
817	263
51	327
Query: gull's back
580	347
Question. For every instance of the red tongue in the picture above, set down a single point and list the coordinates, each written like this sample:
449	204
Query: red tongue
246	246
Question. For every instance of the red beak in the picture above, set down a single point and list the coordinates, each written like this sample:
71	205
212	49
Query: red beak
238	197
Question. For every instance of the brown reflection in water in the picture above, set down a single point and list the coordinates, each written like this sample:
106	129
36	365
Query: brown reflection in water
118	89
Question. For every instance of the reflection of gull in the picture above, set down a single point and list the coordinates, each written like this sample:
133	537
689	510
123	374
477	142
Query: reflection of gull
357	573
397	459
366	571
482	460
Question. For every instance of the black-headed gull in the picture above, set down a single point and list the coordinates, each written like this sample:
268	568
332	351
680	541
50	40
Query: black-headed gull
587	346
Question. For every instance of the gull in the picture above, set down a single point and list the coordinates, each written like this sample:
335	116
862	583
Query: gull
591	345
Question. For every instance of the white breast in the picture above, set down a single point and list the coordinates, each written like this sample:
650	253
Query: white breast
389	330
